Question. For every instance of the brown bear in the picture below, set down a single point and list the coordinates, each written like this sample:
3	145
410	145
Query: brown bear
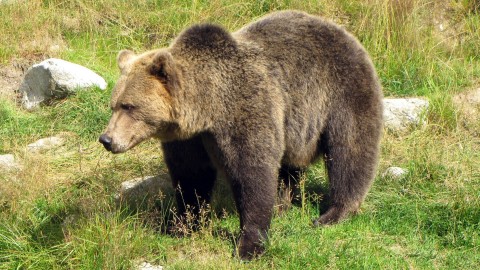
262	102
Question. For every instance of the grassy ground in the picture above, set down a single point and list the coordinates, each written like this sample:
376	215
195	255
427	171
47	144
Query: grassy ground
58	212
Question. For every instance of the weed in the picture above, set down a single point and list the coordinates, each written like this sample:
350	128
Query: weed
59	211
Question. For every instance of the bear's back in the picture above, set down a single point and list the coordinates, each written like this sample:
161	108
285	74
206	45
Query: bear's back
295	42
320	67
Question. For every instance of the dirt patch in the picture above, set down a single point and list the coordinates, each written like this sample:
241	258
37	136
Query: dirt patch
10	79
469	103
11	76
449	22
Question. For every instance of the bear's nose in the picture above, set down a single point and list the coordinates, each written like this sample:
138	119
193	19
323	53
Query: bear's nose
106	141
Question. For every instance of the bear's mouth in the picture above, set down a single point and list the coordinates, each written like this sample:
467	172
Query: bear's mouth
114	147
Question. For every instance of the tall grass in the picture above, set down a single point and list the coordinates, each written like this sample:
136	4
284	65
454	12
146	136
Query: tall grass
402	36
58	211
410	50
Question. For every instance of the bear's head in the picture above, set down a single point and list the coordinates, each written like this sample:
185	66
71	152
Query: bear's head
169	93
141	101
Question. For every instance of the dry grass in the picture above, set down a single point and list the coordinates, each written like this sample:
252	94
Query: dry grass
58	211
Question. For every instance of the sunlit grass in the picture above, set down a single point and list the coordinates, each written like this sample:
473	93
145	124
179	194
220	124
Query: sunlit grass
59	212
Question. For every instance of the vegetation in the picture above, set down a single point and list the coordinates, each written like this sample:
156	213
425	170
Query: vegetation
58	212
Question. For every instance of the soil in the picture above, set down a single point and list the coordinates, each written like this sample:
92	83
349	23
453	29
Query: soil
11	77
469	103
11	74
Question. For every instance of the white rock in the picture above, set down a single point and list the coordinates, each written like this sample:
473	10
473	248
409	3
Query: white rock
8	163
45	144
143	189
56	78
395	173
148	266
401	113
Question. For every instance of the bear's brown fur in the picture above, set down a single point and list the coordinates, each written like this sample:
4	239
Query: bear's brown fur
266	100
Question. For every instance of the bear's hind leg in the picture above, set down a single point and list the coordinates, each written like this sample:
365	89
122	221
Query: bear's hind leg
351	152
193	176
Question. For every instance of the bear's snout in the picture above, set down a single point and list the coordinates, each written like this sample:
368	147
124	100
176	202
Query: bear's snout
106	141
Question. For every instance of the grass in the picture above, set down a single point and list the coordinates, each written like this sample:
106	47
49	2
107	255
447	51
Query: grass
59	212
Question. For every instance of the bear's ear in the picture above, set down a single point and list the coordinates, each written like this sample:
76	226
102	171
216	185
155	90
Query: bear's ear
124	58
163	67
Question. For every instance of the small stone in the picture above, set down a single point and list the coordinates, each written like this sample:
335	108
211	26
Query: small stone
45	144
141	190
402	113
8	163
395	173
55	48
148	266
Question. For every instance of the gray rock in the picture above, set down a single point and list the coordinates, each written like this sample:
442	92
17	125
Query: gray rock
56	78
138	191
402	113
8	163
45	144
395	173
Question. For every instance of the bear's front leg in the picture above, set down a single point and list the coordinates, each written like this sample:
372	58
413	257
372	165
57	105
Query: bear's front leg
193	177
254	188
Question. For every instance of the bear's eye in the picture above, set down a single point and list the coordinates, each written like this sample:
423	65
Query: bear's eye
127	107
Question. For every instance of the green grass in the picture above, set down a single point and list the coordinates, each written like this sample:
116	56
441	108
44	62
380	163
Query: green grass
59	211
